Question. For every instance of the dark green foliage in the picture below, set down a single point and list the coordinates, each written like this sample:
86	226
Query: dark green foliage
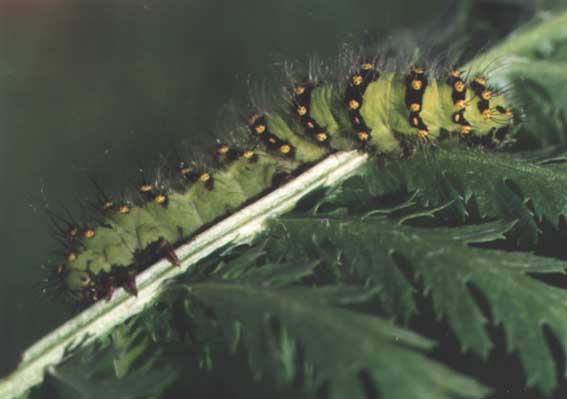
474	185
375	251
303	330
124	365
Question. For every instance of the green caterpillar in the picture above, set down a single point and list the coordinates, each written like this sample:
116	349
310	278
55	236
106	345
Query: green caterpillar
385	112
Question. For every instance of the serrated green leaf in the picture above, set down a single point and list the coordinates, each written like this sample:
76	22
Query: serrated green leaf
377	248
91	373
494	185
340	344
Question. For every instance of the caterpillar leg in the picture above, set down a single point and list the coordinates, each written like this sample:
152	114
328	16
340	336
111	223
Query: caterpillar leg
130	283
110	291
282	178
169	252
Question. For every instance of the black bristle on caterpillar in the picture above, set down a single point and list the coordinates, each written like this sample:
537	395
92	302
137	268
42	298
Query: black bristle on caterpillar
375	106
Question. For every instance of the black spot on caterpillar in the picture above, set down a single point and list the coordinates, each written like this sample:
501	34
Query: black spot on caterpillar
374	108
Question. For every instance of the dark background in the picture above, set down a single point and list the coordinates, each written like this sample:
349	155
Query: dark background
103	87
